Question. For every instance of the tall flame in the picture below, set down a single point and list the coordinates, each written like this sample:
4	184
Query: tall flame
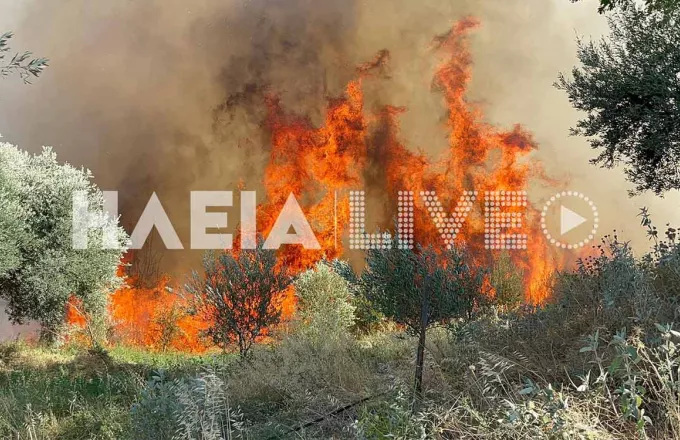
320	164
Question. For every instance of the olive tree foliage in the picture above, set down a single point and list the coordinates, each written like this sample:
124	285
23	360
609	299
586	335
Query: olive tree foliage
421	288
324	303
651	5
628	85
12	227
39	268
240	294
21	63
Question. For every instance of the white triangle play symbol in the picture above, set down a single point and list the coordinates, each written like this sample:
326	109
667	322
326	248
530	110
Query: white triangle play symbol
569	220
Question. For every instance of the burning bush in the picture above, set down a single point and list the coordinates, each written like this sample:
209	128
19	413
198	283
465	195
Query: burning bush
155	317
240	295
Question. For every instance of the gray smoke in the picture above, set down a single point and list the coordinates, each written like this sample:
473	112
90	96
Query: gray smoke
165	95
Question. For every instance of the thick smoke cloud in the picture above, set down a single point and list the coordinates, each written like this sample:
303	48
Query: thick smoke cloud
165	95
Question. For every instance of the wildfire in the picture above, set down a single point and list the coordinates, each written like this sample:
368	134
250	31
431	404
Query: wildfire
321	164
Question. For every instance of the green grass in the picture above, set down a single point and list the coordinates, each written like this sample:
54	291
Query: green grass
72	394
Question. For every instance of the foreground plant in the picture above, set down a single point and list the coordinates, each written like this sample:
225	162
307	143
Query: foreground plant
239	294
40	269
421	288
22	63
627	87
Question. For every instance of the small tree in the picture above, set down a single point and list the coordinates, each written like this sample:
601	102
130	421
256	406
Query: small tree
239	294
419	289
166	323
41	270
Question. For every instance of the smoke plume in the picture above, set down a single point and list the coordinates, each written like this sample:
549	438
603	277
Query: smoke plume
165	96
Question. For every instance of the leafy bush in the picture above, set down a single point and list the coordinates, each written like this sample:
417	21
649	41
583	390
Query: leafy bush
239	294
323	303
390	418
367	318
189	408
41	269
507	283
640	380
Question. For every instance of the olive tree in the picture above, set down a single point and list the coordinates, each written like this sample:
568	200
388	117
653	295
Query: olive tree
40	270
239	293
628	86
421	288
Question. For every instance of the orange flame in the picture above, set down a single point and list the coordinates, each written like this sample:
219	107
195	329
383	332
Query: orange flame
320	164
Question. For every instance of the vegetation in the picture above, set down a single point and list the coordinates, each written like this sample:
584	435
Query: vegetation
40	270
507	282
627	85
240	294
419	289
651	5
599	361
324	303
22	64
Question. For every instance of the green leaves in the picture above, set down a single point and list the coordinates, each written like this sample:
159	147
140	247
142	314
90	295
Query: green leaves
22	63
324	304
399	281
239	293
40	269
629	89
651	5
420	288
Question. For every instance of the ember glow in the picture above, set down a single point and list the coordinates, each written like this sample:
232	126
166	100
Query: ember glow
320	165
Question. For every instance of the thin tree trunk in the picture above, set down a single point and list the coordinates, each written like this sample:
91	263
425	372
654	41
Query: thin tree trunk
420	359
420	356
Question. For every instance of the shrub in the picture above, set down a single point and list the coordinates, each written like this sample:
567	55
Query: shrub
190	408
239	294
507	283
367	318
323	303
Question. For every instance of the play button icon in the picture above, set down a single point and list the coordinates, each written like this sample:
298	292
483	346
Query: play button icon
569	220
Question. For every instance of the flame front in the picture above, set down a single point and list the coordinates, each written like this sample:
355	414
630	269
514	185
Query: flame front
320	164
